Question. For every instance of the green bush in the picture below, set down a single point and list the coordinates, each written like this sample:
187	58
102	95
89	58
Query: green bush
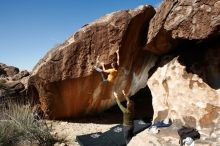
17	124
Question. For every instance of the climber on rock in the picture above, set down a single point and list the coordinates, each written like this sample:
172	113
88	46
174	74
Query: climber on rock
128	116
108	74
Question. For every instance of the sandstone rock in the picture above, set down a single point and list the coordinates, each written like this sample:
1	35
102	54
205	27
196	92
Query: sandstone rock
11	71
24	81
2	72
13	84
2	65
166	137
177	20
20	75
13	89
63	144
65	81
19	87
186	87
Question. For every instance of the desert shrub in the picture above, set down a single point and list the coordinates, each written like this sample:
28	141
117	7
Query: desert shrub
17	124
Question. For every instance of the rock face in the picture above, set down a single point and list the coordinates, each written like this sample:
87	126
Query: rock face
185	83
65	82
178	20
186	87
13	84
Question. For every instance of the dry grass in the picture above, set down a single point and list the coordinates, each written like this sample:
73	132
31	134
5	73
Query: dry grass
17	125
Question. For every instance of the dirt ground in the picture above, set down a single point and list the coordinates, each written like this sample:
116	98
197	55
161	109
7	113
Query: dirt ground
166	136
69	130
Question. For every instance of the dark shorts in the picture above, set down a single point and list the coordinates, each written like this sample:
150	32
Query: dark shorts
128	132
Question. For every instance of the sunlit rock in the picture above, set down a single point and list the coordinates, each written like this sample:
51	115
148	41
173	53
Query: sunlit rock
65	81
186	87
178	20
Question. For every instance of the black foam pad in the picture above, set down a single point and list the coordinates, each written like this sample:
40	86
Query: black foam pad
140	125
116	135
94	139
112	137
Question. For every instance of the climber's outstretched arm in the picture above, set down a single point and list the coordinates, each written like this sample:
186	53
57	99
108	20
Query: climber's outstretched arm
97	64
103	67
126	97
106	70
98	69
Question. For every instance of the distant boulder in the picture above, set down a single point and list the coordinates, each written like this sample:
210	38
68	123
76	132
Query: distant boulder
11	71
3	66
20	75
12	83
2	73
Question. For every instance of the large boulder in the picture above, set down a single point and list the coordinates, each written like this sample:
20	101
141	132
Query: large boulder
178	20
186	87
65	82
185	83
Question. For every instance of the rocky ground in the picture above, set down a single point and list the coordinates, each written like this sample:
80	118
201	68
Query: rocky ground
69	130
166	136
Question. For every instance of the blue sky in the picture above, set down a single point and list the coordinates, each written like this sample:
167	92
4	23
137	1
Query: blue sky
29	28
